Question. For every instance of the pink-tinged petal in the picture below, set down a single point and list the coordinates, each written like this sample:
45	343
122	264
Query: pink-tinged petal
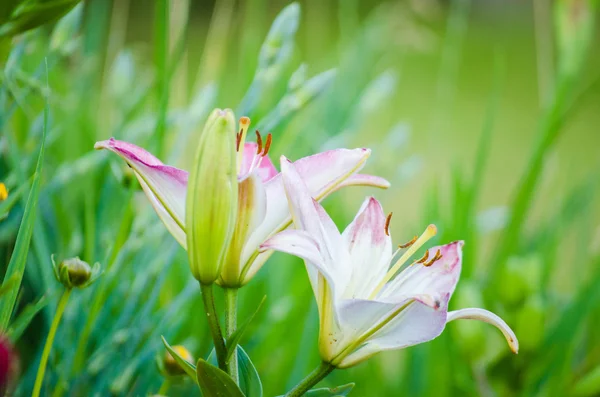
265	170
416	322
365	180
168	185
370	248
321	173
438	279
299	243
173	227
490	318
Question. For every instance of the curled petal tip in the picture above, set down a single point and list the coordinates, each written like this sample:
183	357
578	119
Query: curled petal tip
490	318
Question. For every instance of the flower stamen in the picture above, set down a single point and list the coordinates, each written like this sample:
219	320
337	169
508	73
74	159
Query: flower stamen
387	224
436	257
240	139
406	245
258	142
424	258
429	232
267	145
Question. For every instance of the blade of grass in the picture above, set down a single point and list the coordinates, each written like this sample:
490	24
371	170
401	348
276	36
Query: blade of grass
18	259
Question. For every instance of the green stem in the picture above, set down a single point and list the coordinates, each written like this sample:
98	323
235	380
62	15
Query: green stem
164	388
312	379
208	299
62	303
231	295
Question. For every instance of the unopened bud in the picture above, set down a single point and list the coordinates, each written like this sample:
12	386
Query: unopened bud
3	192
75	273
211	202
171	366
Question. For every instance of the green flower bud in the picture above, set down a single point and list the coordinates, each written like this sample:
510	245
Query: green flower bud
212	195
574	21
76	273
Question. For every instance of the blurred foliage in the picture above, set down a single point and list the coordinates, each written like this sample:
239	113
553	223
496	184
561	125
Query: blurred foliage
447	98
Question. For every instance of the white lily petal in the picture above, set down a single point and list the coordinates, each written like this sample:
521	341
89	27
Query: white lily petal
173	227
365	180
265	170
370	248
168	185
416	323
322	173
438	279
490	318
298	243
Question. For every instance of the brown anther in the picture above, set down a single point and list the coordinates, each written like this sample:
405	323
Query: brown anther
424	258
437	257
238	140
258	142
387	223
267	145
411	242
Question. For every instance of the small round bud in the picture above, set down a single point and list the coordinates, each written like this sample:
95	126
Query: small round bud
171	366
3	192
76	273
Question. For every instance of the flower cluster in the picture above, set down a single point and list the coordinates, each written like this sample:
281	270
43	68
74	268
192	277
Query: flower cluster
234	209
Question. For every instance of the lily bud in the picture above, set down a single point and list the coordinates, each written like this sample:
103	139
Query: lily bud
212	195
76	273
170	366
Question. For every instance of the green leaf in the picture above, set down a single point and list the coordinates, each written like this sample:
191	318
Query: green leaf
343	390
31	15
20	324
11	200
188	367
249	380
214	382
18	260
234	339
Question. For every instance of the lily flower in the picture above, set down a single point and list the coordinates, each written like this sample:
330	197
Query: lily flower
365	304
262	207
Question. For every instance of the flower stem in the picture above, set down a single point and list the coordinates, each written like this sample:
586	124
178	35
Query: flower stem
62	303
208	299
164	388
231	295
312	379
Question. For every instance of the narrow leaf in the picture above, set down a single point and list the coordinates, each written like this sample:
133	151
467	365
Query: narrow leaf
249	380
20	324
339	391
188	367
11	200
214	382
18	259
234	339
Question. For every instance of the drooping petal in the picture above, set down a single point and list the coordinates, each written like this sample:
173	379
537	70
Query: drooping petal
310	217
265	169
167	184
250	213
490	318
365	180
298	243
173	227
370	248
438	279
414	321
322	173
